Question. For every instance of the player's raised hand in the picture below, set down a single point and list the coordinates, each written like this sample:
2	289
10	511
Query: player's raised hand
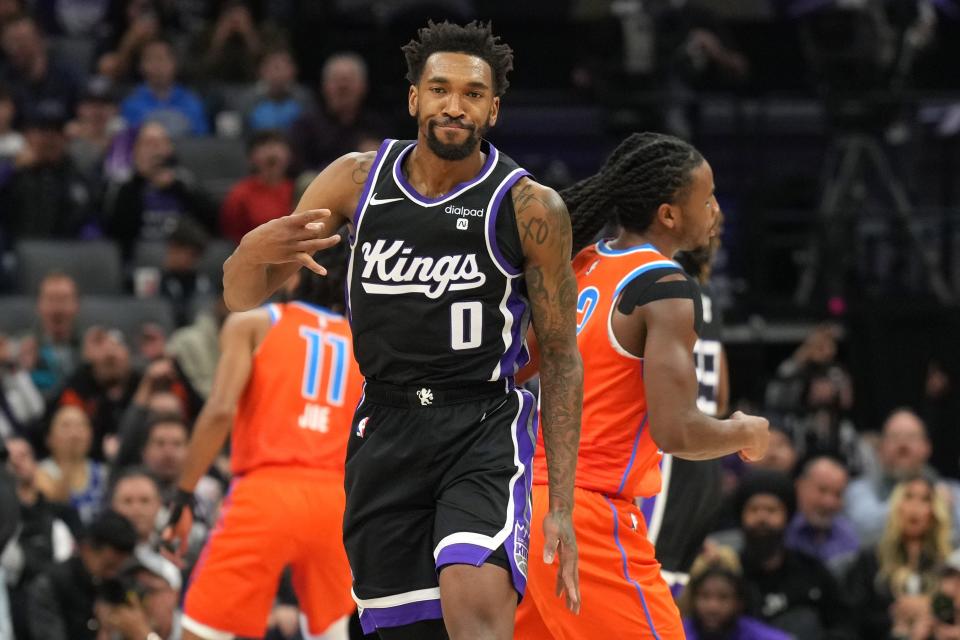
177	531
559	538
759	429
292	238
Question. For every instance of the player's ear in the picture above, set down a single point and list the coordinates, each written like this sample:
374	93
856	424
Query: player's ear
494	111
413	101
668	215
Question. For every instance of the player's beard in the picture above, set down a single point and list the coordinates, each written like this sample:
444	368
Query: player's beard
453	150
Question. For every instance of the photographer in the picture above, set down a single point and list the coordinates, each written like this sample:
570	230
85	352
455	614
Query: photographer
61	602
159	192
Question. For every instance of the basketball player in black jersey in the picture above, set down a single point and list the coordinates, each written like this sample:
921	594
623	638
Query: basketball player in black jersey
455	250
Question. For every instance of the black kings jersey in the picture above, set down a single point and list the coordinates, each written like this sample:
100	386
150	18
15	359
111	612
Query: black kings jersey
435	288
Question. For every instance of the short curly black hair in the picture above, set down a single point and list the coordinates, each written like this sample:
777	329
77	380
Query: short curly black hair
475	39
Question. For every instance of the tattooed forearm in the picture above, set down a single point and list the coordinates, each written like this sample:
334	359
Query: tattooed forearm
561	380
552	289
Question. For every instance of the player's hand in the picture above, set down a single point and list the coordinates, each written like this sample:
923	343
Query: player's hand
759	429
293	238
559	538
177	532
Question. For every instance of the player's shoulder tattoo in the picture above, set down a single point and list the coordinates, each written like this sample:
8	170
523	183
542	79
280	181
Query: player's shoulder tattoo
363	162
541	213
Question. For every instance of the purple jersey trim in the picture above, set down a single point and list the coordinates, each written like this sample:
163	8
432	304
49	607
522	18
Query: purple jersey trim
371	179
408	189
492	221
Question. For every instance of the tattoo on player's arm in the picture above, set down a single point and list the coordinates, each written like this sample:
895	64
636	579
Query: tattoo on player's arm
361	171
552	290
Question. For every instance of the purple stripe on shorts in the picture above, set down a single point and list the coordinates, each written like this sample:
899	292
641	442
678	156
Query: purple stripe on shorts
463	553
404	614
517	544
516	354
647	507
492	223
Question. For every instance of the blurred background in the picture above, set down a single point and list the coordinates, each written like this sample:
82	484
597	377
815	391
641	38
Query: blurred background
140	139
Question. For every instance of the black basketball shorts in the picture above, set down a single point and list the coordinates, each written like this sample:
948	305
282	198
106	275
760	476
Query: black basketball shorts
433	478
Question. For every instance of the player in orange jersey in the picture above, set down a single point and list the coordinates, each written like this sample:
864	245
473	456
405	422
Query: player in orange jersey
288	385
638	316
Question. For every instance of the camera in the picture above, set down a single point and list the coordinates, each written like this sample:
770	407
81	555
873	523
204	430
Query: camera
122	589
943	608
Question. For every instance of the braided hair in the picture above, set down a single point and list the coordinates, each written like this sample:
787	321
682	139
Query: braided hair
643	172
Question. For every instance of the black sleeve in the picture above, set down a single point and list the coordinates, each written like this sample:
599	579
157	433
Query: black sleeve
124	214
647	288
43	610
9	505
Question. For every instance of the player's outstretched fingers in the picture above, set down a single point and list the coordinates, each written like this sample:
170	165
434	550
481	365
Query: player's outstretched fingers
310	216
307	261
318	244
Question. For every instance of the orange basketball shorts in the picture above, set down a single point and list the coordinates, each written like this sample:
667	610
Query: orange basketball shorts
273	517
622	593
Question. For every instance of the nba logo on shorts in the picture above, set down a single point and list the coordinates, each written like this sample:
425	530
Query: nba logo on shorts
521	538
463	224
362	427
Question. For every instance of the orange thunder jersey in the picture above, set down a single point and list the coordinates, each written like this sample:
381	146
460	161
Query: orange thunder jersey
304	387
617	454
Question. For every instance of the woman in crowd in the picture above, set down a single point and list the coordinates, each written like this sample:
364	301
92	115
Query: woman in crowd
890	585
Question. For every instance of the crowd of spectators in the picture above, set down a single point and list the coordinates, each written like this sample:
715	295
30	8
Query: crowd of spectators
844	531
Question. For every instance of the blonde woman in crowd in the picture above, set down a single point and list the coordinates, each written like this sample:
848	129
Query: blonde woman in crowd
890	584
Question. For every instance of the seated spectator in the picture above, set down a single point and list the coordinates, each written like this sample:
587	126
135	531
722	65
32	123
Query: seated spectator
31	72
713	602
69	475
136	496
891	584
276	100
230	49
61	599
20	403
264	195
162	390
102	387
819	529
904	452
812	395
72	18
160	98
147	206
155	614
181	280
791	591
43	538
196	348
52	350
343	124
47	196
131	26
166	451
91	133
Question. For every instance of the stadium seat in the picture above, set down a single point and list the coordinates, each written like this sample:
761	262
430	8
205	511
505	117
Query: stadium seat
94	264
149	254
212	261
17	314
126	313
217	163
